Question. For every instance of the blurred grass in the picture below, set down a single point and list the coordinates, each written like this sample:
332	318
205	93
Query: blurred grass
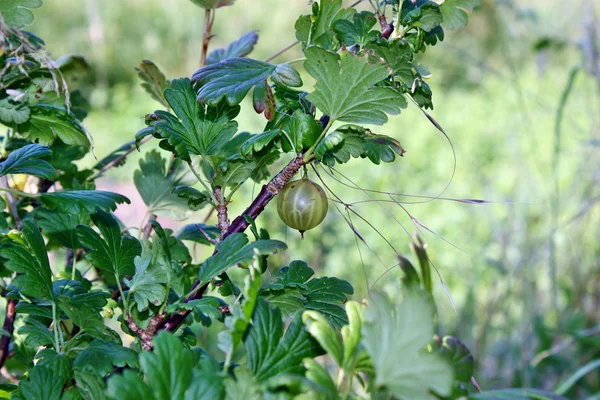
498	101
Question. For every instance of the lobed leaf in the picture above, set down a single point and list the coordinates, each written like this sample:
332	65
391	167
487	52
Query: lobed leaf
82	201
345	88
112	252
238	48
17	12
455	12
153	81
27	160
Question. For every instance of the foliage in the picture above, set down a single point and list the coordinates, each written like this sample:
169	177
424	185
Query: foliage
154	289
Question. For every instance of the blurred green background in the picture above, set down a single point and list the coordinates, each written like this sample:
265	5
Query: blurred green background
517	91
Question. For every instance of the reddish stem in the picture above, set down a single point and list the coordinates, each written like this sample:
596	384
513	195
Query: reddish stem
267	193
9	326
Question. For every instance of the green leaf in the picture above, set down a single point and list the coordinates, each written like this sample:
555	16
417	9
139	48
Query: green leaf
316	373
42	384
12	112
209	4
27	160
193	233
398	56
102	358
60	227
231	79
114	252
269	351
146	285
81	306
567	384
358	31
235	249
286	75
318	326
46	121
355	141
344	88
238	48
195	128
455	12
205	385
129	385
37	334
233	173
459	357
59	363
294	290
153	81
17	13
303	130
243	387
395	337
167	369
317	29
31	263
82	201
516	394
426	15
195	198
259	141
91	385
156	185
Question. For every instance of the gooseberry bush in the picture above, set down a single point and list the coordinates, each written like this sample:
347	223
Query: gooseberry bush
78	284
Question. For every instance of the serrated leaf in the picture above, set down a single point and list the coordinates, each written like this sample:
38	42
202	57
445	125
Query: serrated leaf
82	201
156	185
459	357
344	88
294	290
398	56
303	131
31	263
317	28
235	249
102	357
81	306
455	12
358	30
112	252
41	384
17	13
27	160
59	363
195	128
232	173
153	81
146	285
36	334
46	121
195	198
231	79
425	15
238	48
259	141
270	352
193	233
168	368
12	112
395	338
59	226
355	141
209	4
